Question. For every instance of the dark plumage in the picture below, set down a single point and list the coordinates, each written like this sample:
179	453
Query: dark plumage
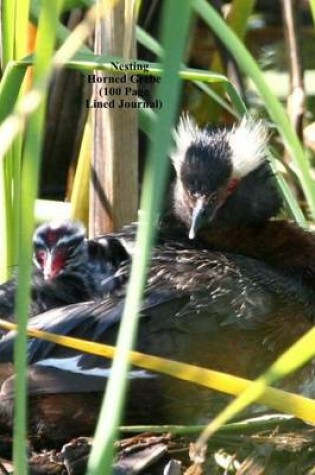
207	302
222	311
230	210
222	177
68	268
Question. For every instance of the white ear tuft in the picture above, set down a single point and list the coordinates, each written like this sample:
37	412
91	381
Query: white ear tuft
248	142
186	133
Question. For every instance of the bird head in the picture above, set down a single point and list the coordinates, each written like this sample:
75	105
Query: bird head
58	247
210	165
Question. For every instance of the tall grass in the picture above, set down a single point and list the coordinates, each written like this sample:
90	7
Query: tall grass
13	47
29	185
16	211
277	113
168	91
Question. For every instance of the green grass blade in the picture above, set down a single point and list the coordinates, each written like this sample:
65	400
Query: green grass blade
14	29
275	109
21	33
168	91
292	359
21	28
153	45
8	8
29	185
9	87
253	424
62	31
3	221
239	14
87	62
289	198
9	90
237	19
66	6
7	31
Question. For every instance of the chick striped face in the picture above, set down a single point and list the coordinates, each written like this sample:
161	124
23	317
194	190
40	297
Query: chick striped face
58	246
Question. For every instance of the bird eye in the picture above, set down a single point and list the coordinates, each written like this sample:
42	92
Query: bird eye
40	257
193	192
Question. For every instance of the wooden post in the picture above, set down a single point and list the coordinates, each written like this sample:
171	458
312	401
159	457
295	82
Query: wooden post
114	173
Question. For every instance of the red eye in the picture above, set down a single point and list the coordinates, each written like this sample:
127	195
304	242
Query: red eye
41	257
233	184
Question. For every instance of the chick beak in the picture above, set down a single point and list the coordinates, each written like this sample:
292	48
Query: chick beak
203	212
47	269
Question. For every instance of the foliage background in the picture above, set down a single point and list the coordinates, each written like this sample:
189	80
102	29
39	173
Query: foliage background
44	119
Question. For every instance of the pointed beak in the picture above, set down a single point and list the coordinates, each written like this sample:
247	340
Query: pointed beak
202	212
47	269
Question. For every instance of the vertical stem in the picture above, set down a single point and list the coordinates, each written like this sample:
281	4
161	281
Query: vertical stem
168	91
114	178
29	186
